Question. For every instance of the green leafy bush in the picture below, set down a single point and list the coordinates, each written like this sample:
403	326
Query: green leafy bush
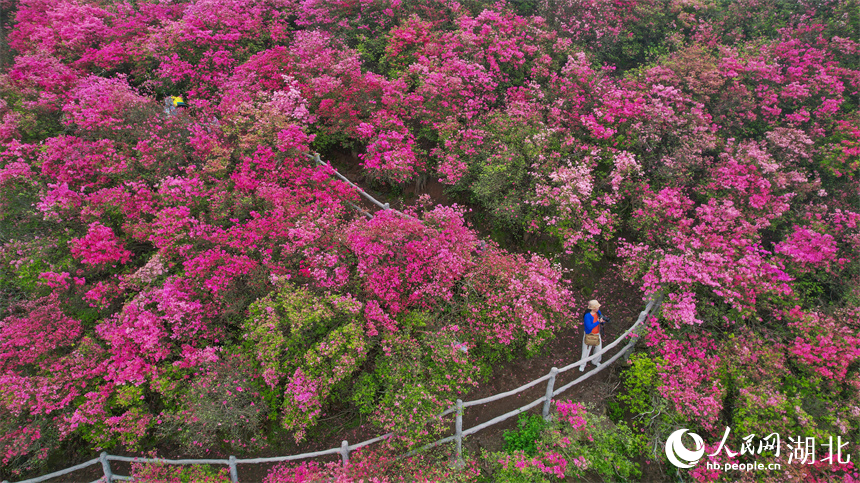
525	438
652	419
576	443
163	473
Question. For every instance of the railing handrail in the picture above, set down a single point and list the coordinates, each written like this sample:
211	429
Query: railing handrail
384	206
346	448
61	472
565	368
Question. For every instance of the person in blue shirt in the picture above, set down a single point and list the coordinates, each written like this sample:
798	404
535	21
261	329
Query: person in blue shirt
593	324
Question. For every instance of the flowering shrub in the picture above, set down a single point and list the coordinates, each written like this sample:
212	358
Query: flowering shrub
390	154
156	325
575	443
310	348
222	408
406	263
688	374
308	345
819	338
100	106
806	247
420	379
845	155
376	464
99	246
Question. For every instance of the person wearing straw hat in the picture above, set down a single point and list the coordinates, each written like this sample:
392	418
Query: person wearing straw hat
592	336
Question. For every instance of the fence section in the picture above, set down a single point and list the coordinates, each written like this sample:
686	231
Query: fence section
345	448
546	400
384	206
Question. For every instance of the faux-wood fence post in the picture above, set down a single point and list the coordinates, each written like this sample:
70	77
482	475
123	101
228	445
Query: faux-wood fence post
234	472
344	452
550	385
458	433
106	467
641	329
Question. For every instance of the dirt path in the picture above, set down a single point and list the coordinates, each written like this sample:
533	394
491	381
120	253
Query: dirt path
622	303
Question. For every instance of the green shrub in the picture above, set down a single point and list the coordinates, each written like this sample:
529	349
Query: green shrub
163	473
612	450
525	438
651	416
575	444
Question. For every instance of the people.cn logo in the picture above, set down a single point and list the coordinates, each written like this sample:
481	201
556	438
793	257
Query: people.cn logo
679	455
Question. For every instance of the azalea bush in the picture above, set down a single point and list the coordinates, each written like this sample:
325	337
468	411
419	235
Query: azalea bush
574	444
222	408
378	464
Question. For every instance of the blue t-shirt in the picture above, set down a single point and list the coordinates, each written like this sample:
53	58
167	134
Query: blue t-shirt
590	323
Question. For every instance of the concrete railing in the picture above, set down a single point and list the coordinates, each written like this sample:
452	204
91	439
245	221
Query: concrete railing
459	433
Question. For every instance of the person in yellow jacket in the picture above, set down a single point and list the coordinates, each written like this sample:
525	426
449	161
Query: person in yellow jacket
171	103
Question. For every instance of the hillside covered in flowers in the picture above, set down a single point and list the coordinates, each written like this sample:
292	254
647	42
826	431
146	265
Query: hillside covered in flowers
190	280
